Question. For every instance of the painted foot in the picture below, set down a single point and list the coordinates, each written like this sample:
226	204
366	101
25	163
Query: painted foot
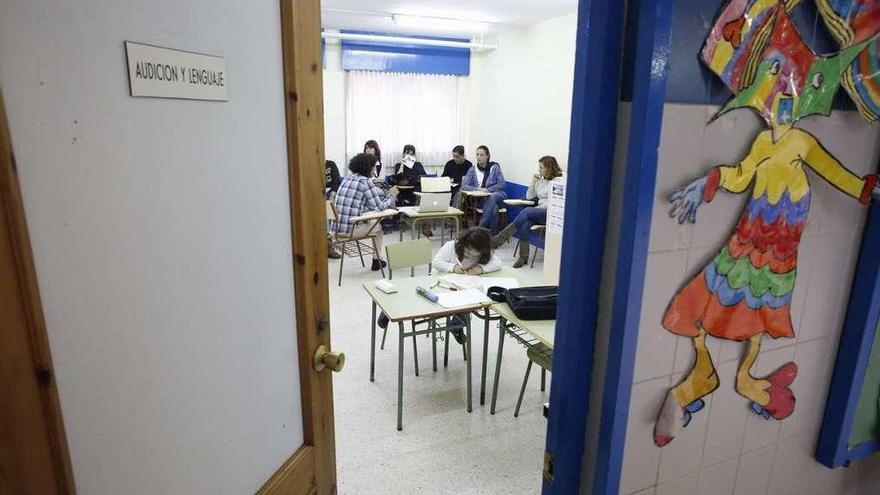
781	403
669	421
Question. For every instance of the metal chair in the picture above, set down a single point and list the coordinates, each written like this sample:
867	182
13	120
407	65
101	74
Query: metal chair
542	235
410	254
541	355
352	245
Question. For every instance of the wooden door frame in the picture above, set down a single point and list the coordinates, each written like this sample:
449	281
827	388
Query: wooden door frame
12	207
312	468
304	111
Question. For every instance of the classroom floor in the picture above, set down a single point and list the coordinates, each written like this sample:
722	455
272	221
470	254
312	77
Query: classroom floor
442	448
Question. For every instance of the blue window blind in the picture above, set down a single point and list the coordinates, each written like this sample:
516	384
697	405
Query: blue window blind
403	57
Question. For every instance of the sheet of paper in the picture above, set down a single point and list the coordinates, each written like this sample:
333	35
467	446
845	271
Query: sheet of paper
556	207
462	298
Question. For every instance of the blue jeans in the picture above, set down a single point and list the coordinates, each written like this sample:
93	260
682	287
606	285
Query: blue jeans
528	217
489	219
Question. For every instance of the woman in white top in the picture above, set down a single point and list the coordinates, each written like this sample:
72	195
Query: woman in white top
539	191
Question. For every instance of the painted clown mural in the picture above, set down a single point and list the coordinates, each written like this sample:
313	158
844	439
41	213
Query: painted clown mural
745	291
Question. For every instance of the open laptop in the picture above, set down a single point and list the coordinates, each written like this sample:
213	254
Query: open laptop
434	202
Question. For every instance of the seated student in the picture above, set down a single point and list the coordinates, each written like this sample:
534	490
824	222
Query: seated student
331	185
331	179
408	172
486	176
539	191
471	254
371	147
455	169
358	195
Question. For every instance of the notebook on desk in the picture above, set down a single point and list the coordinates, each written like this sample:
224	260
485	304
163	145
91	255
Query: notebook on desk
462	298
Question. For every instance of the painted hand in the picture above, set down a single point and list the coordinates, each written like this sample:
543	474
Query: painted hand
686	200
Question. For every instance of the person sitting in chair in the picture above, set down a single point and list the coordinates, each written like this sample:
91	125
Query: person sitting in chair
486	176
539	191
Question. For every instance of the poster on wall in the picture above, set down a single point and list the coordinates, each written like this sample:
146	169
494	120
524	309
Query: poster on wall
556	206
159	72
744	293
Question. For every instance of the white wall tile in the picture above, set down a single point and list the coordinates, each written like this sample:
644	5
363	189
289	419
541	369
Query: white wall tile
656	348
791	456
646	491
718	479
727	419
641	458
686	485
753	475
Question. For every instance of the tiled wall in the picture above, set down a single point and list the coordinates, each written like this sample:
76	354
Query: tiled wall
728	449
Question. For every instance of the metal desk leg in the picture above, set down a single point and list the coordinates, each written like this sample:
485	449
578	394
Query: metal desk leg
415	349
400	376
485	356
501	324
433	325
467	345
412	230
373	345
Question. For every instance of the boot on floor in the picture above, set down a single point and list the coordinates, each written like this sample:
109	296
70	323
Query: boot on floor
523	254
504	235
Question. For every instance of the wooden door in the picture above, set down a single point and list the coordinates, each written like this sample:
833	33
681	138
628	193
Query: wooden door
312	469
33	449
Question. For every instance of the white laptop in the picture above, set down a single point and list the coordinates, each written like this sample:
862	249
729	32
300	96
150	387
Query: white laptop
434	202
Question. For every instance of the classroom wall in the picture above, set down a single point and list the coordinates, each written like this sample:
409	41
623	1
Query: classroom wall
161	235
334	106
727	448
520	96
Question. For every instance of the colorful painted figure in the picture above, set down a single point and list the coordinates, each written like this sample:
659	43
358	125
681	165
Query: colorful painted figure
745	292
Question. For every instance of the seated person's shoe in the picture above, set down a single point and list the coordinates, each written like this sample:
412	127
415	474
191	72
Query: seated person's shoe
458	333
378	264
382	320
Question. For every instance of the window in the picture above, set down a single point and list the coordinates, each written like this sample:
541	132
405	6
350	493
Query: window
397	109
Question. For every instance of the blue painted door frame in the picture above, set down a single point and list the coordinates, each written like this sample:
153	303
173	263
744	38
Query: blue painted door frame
596	96
593	127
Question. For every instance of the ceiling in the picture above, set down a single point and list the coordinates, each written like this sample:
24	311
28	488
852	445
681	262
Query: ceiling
504	15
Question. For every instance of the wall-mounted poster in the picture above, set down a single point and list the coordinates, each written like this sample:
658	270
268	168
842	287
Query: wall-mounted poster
745	291
168	73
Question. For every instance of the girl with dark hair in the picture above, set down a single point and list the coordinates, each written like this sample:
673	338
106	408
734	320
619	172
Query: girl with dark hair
471	254
371	147
456	169
408	172
539	191
358	195
487	177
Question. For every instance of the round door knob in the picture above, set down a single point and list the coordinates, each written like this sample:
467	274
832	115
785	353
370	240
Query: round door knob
324	358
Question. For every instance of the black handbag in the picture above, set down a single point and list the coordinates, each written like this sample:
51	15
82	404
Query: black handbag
528	303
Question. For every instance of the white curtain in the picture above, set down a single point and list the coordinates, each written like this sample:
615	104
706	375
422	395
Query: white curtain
397	109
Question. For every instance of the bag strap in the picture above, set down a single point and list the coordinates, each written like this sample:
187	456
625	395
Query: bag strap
497	294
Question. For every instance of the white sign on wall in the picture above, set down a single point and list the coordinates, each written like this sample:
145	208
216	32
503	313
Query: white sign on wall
167	73
556	206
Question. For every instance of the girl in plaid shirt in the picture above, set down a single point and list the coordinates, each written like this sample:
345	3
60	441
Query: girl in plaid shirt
358	195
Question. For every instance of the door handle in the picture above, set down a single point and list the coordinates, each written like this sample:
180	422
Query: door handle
324	358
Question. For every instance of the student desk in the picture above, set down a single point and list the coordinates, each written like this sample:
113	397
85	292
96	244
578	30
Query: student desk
405	305
412	217
527	333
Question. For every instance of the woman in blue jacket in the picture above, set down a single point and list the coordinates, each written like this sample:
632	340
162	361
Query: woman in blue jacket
486	176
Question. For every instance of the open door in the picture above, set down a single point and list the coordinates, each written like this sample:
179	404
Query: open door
312	468
34	456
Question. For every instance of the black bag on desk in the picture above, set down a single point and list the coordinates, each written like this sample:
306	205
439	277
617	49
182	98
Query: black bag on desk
528	303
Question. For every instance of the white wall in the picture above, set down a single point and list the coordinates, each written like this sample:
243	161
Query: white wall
728	449
334	106
521	96
161	235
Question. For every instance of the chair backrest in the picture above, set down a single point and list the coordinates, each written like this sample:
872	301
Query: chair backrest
408	254
331	211
436	184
